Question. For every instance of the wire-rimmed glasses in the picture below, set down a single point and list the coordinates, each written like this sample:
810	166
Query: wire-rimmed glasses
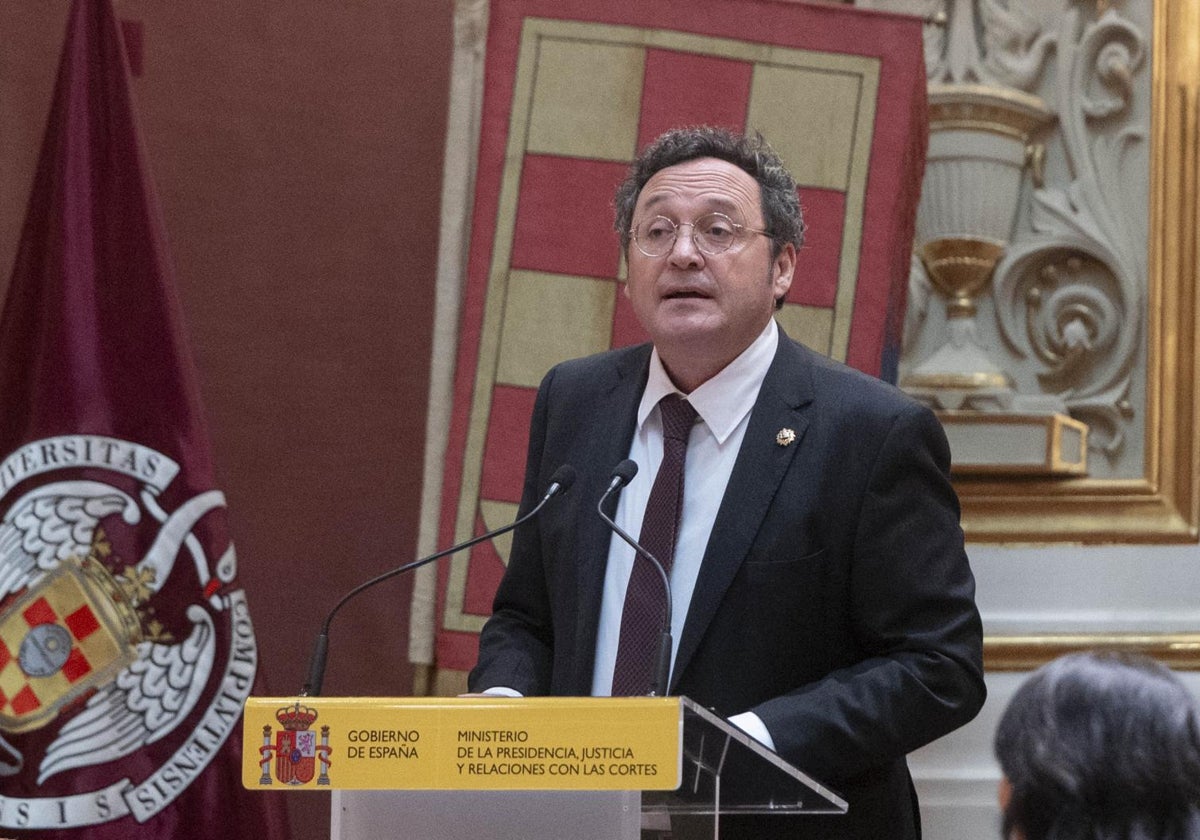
713	233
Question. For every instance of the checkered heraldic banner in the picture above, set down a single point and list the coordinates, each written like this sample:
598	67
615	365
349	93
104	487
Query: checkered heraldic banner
572	90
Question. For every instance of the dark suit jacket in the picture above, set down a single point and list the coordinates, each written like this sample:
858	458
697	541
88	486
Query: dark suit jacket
834	600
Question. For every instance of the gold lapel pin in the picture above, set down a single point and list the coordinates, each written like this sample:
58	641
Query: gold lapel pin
785	437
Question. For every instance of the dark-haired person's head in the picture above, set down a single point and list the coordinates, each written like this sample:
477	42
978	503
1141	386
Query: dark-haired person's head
782	216
1100	746
710	223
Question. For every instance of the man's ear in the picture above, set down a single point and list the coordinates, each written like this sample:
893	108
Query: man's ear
782	269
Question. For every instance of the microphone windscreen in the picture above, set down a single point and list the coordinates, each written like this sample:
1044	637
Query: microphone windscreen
564	477
625	471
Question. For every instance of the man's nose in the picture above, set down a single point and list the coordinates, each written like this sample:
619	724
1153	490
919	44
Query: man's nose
684	253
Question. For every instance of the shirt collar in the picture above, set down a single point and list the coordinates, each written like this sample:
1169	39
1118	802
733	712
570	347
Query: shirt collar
723	401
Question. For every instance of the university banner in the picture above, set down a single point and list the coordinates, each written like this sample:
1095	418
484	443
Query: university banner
126	645
572	90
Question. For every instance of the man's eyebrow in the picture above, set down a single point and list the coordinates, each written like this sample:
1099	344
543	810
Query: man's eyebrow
713	202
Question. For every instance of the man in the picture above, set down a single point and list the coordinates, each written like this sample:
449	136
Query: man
823	599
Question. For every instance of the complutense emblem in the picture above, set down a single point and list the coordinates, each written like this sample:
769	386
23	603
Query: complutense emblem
82	646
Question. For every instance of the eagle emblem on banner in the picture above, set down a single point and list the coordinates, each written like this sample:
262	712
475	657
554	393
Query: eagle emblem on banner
81	643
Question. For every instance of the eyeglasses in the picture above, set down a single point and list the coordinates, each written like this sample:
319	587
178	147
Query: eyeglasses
713	234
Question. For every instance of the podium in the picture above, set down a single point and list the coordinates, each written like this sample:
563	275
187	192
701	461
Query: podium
538	768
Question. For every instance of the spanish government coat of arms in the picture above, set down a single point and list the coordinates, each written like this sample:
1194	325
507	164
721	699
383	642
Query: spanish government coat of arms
295	750
126	652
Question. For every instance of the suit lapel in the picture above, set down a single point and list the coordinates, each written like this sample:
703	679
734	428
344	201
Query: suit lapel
760	467
611	423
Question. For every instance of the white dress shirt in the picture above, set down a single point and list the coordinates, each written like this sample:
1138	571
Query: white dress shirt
723	406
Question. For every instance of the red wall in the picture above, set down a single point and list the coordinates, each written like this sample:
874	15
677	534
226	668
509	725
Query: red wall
297	151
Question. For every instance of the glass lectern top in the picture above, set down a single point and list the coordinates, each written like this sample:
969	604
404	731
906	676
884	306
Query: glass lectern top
727	771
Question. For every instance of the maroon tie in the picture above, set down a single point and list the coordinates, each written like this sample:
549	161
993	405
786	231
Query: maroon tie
645	601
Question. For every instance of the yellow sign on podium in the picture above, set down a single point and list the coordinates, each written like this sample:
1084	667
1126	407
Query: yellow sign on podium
463	743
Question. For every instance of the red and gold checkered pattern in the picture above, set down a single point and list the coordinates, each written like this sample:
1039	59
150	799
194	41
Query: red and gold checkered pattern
62	599
572	91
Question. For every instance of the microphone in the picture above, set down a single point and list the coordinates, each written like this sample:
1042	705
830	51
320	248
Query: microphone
622	474
560	482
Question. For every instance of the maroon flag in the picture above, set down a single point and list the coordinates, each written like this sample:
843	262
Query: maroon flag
126	646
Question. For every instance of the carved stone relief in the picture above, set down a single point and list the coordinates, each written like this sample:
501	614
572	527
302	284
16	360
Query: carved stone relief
1064	316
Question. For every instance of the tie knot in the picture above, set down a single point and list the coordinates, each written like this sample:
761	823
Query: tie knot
677	417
